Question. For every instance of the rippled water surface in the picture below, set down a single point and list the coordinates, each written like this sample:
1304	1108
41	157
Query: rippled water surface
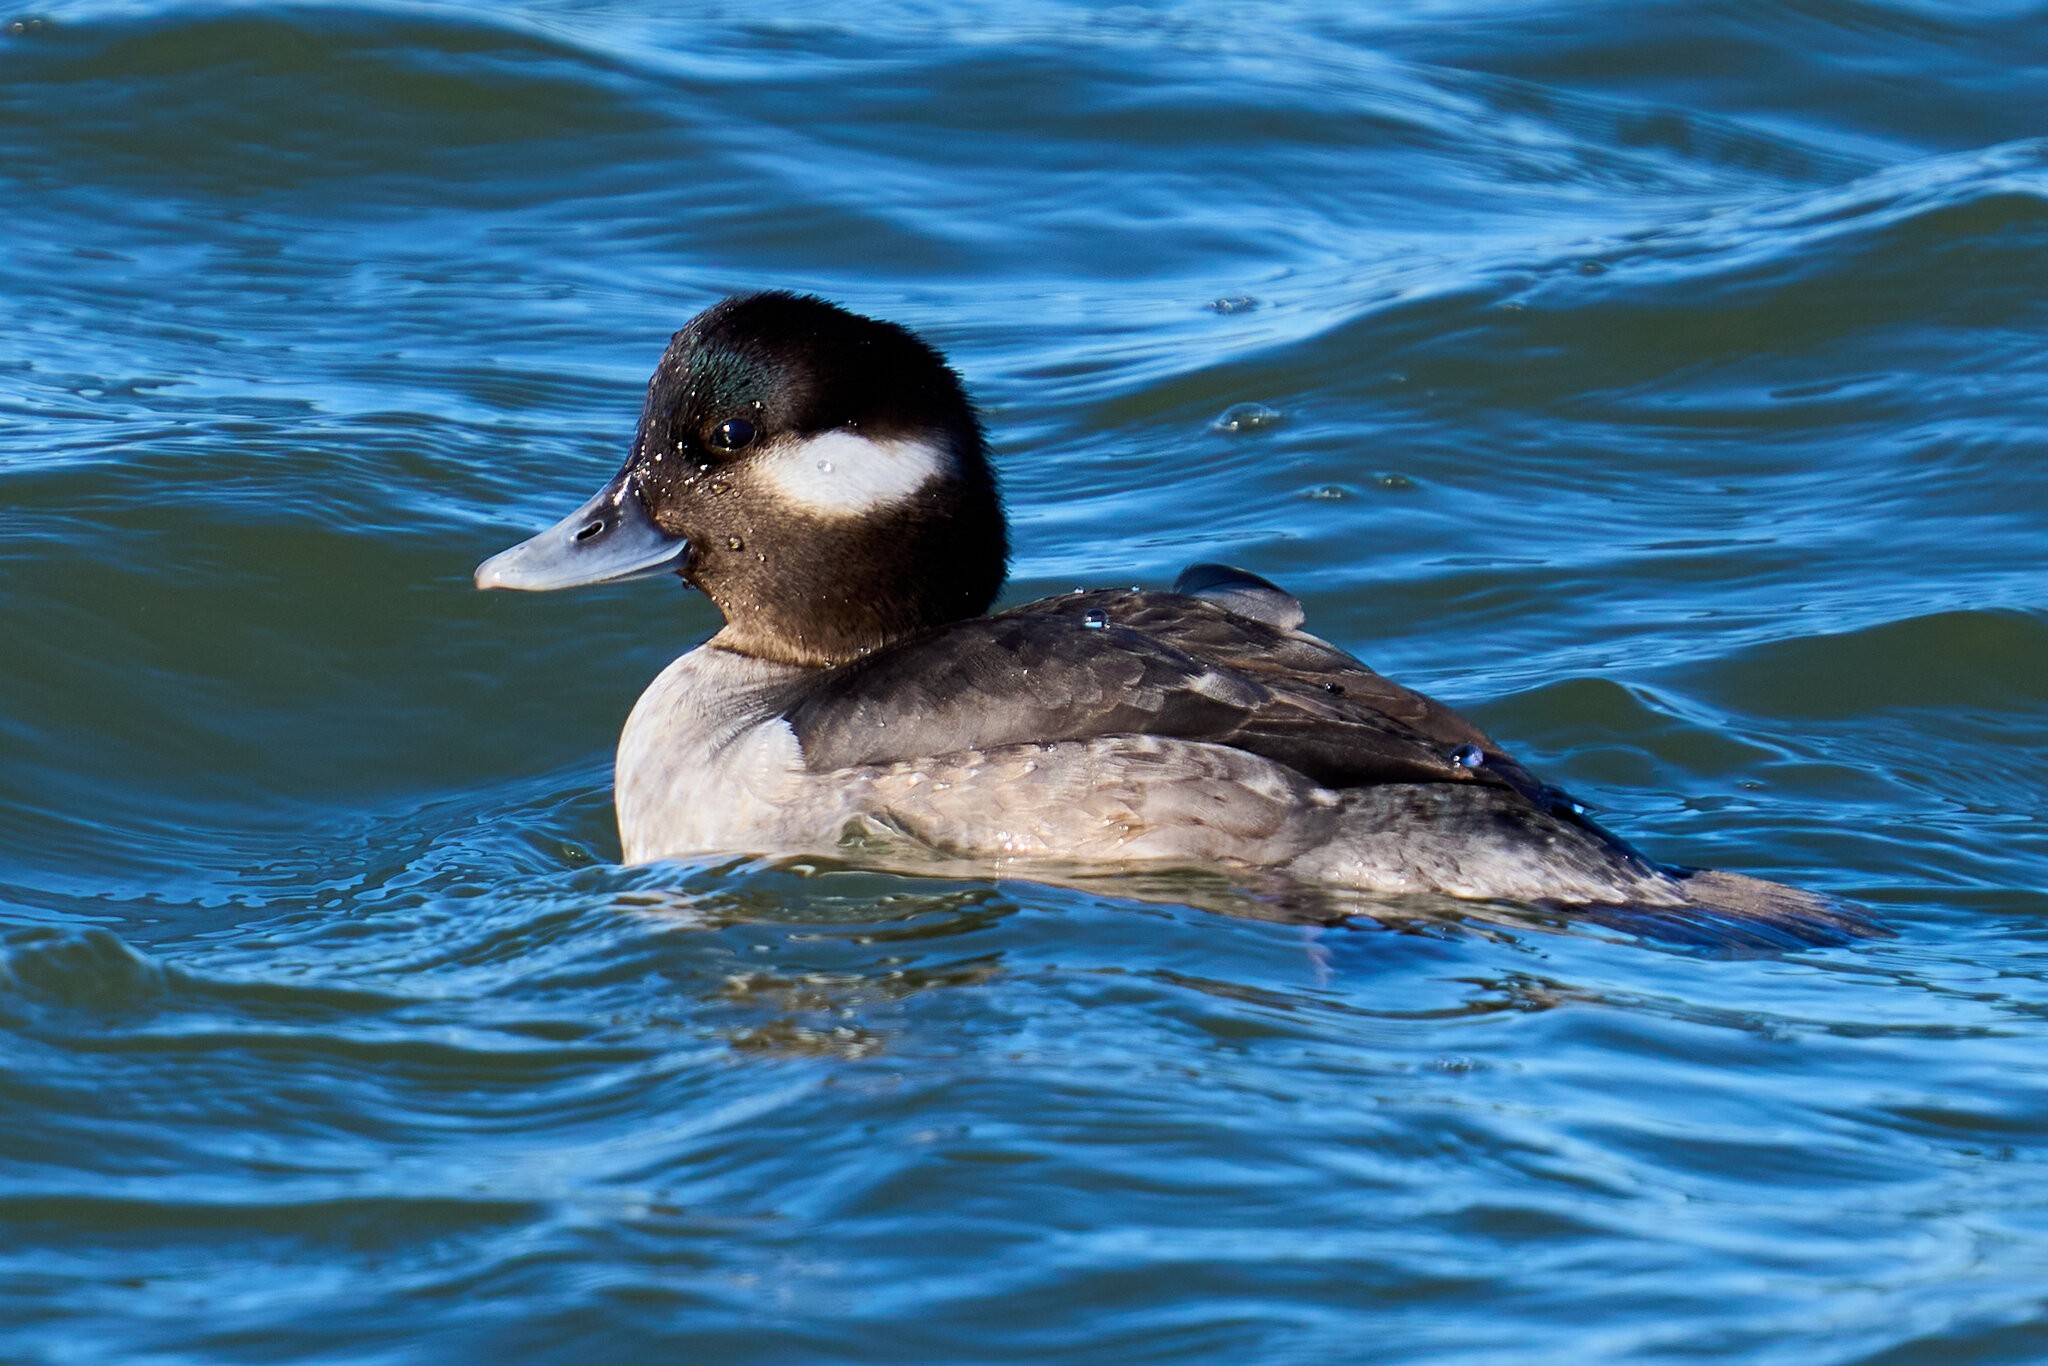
1662	383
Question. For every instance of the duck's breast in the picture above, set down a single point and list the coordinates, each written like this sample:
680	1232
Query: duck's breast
706	765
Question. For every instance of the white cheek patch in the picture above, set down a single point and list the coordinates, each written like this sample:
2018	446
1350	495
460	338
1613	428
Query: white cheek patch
845	474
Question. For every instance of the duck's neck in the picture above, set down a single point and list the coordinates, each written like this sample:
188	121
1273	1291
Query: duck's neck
850	587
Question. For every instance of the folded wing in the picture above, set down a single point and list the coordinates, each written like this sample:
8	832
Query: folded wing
1176	665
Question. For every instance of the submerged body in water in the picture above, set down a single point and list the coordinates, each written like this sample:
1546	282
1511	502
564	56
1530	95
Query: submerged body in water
824	479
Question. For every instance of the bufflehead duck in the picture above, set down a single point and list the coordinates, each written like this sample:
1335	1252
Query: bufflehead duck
824	479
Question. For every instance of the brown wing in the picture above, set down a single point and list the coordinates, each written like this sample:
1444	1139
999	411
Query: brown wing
1142	663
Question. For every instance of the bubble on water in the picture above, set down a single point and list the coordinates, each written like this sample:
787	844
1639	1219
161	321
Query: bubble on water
1233	303
1394	483
1329	493
1248	417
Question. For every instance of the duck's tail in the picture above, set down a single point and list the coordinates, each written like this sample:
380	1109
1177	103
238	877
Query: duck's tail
1490	844
1730	912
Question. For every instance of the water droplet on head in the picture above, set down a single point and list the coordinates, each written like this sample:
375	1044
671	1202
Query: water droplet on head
1337	688
1467	756
1095	619
735	543
717	486
824	467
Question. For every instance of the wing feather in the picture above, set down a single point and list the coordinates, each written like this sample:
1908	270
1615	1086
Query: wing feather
1112	662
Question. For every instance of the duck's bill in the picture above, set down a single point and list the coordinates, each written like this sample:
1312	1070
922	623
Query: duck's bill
609	539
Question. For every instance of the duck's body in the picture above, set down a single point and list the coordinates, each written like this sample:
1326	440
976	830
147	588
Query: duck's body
823	478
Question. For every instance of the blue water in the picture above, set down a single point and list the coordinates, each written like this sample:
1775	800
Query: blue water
1663	384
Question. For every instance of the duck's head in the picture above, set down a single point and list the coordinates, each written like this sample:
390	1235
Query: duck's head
821	476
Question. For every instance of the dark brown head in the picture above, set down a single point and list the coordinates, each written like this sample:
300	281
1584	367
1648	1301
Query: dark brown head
820	475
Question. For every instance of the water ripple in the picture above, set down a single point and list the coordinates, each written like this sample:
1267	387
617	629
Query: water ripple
1661	385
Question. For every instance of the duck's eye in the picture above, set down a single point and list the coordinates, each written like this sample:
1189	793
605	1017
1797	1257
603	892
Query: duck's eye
732	434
